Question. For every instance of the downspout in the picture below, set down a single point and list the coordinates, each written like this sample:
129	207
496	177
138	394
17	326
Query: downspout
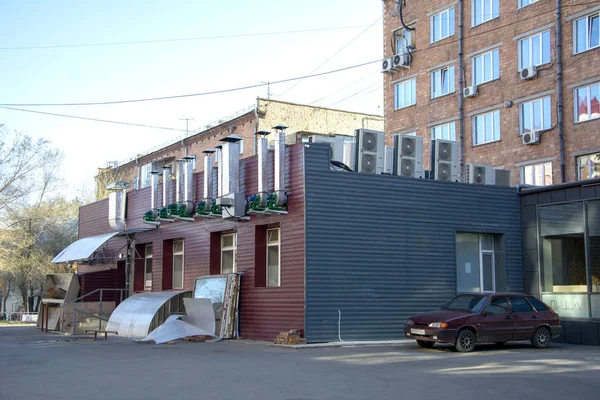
559	92
461	85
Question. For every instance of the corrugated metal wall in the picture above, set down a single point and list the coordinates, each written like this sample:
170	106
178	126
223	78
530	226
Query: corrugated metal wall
380	248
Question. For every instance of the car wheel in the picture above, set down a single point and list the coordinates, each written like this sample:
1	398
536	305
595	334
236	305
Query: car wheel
425	344
500	343
541	338
465	341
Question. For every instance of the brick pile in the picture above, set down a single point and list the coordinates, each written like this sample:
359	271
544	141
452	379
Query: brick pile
293	336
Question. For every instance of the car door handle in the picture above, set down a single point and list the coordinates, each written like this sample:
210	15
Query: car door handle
535	316
509	317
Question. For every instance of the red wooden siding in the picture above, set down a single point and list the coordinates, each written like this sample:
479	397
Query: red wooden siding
138	268
264	311
98	280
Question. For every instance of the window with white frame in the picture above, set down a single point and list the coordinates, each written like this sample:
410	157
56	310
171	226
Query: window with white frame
484	10
535	115
442	81
178	264
486	127
442	25
444	131
588	166
273	258
524	3
405	93
480	263
537	174
148	267
534	50
144	177
485	67
587	102
228	249
586	32
405	41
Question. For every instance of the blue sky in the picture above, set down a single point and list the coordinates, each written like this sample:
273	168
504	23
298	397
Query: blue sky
121	72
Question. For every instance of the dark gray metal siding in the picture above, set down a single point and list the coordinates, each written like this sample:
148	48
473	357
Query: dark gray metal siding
380	248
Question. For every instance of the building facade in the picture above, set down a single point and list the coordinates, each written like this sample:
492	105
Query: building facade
489	74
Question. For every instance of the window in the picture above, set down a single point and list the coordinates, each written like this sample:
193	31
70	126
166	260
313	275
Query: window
537	174
442	25
442	82
586	32
480	263
486	67
405	93
486	128
273	263
535	115
484	10
538	305
520	305
178	264
405	41
588	166
148	267
144	179
587	102
523	3
534	50
497	306
444	131
228	247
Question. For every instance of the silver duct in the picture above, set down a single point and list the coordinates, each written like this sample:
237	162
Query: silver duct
219	156
280	165
154	201
208	176
262	149
179	181
230	165
167	190
117	202
188	197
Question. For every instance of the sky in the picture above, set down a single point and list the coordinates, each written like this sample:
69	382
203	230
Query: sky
64	52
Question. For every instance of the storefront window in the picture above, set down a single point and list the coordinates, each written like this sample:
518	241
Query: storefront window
593	213
480	263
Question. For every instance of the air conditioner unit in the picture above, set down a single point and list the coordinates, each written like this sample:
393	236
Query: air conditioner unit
408	156
387	65
480	174
401	60
528	72
532	137
502	177
370	151
470	91
388	164
445	160
336	144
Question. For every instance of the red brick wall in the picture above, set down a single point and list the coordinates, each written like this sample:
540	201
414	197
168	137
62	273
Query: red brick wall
512	22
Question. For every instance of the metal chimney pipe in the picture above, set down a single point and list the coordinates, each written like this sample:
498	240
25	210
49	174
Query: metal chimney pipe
154	202
117	204
219	156
280	164
167	192
179	183
262	147
189	184
208	175
230	164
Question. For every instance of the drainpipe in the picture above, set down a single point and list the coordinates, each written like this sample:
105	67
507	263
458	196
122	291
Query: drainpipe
461	86
559	92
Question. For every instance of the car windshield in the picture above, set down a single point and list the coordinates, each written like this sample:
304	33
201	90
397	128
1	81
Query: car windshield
466	302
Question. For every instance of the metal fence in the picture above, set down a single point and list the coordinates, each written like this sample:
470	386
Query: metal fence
19	317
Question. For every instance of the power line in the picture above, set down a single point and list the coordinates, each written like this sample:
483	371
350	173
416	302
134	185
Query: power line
59	46
192	94
93	119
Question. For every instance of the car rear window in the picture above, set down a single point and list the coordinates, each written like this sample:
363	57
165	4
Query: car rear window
538	305
520	305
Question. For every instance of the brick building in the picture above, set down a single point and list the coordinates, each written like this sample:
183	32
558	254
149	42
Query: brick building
507	52
303	121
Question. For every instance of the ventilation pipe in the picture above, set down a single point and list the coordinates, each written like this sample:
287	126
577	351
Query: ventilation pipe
281	197
117	202
204	206
154	200
188	179
232	202
179	181
167	191
219	157
262	145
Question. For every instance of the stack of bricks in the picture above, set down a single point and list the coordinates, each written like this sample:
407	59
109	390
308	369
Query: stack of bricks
198	338
293	336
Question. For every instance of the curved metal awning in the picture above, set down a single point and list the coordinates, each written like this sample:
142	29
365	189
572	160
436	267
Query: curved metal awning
83	249
135	317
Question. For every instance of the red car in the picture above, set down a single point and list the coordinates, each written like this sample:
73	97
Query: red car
471	319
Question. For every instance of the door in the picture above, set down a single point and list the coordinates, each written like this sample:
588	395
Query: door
120	282
496	322
525	317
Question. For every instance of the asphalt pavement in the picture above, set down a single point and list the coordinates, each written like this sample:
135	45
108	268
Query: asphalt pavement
49	366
